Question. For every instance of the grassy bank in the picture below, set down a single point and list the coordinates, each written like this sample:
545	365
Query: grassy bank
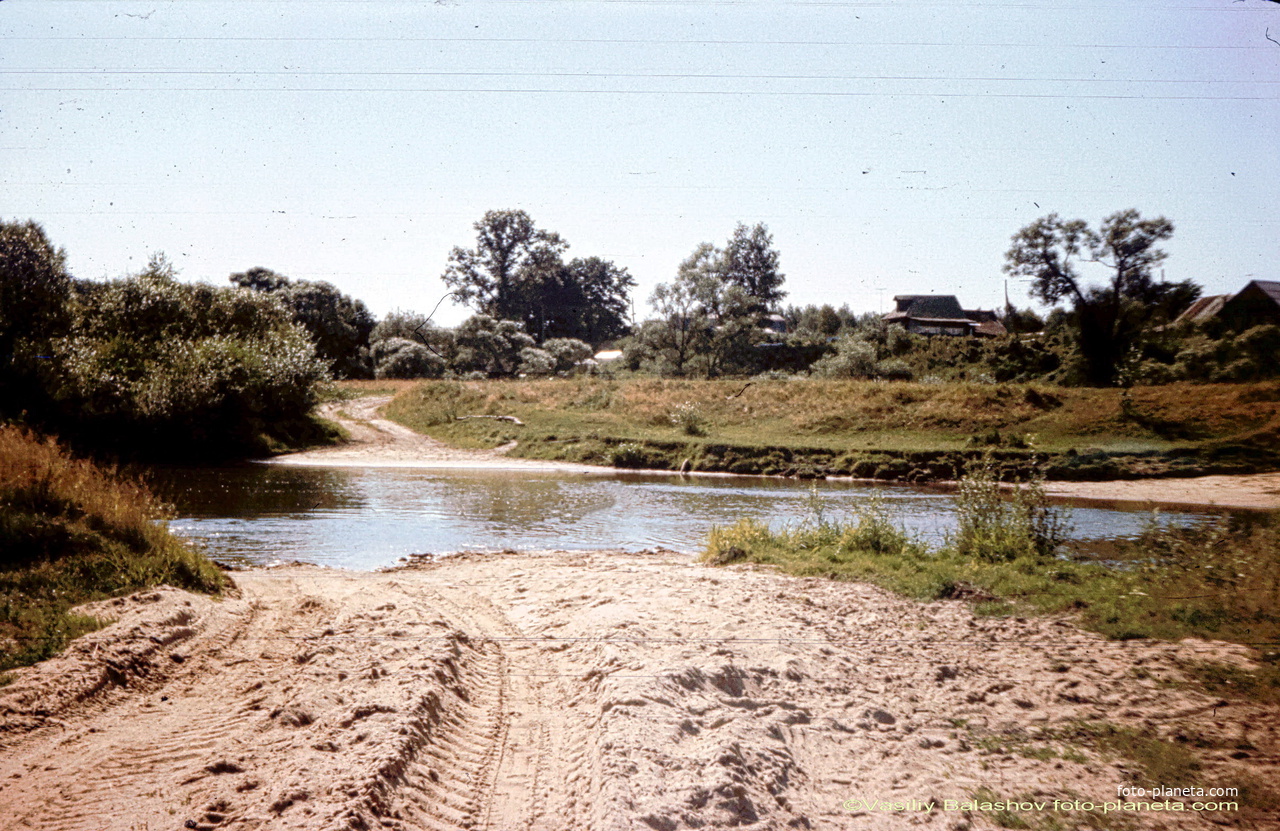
1219	581
72	532
868	429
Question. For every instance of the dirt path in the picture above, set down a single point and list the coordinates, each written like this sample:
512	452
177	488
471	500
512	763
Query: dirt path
377	442
588	691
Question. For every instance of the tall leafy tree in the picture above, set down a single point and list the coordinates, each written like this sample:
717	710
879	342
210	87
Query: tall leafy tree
751	261
1107	318
707	321
592	301
35	291
511	256
681	330
516	272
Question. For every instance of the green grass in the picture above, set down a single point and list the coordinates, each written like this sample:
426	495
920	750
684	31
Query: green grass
869	429
72	532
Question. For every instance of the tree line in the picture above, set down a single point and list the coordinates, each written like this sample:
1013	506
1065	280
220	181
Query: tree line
240	366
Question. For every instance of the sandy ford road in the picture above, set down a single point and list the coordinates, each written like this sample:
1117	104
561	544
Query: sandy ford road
583	691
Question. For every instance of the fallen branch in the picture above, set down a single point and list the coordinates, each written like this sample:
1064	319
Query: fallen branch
511	419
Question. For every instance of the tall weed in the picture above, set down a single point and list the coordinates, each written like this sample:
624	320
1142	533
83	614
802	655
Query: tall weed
994	528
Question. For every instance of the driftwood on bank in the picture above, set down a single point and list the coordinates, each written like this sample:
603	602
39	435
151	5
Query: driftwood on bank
511	419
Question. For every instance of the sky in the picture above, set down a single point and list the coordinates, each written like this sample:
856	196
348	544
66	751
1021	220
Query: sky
890	147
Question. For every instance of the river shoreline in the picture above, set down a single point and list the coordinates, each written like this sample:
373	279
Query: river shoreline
378	442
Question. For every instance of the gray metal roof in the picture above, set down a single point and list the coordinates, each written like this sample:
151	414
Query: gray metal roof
937	306
1271	288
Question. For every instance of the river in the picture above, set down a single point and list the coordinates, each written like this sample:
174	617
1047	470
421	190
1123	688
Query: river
365	518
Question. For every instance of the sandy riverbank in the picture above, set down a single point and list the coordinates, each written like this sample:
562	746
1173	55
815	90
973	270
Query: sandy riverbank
1259	491
377	442
595	690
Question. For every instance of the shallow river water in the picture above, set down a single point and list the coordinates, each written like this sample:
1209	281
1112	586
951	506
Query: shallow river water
371	517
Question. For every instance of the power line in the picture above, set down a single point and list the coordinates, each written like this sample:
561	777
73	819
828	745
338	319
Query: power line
634	41
857	4
661	75
666	92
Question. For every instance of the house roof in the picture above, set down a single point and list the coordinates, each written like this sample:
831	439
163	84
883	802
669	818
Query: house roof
1203	308
1271	288
937	306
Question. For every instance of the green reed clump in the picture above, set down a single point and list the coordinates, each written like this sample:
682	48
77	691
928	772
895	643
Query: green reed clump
997	526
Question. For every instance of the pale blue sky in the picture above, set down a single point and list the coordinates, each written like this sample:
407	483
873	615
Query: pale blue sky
891	147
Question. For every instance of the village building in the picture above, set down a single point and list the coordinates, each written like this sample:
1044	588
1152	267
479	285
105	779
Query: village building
1254	305
941	314
1203	309
1257	304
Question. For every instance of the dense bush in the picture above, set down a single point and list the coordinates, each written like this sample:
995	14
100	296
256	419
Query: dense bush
338	324
170	368
536	362
489	346
567	352
400	358
854	358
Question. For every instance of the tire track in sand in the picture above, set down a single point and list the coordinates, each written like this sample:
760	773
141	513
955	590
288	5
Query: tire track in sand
537	779
331	673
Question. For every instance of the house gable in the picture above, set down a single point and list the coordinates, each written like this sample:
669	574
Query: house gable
1256	304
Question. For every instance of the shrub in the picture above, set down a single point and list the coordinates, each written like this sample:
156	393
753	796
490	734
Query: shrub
536	362
567	352
179	369
337	324
854	358
688	418
894	369
996	529
489	346
400	358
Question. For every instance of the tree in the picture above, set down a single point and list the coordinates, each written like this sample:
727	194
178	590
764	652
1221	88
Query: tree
707	321
674	339
516	272
1107	318
750	261
489	346
339	325
511	255
35	292
593	305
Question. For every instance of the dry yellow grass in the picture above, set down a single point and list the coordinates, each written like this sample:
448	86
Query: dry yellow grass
70	532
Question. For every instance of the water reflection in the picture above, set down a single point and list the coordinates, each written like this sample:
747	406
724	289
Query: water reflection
370	517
